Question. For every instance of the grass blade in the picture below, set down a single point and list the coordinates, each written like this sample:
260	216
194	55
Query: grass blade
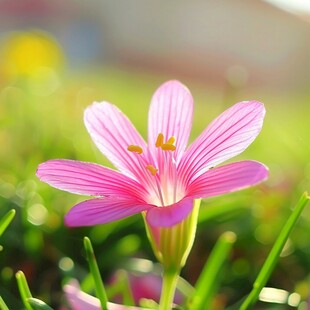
274	254
121	286
94	270
206	282
38	304
3	305
6	220
23	289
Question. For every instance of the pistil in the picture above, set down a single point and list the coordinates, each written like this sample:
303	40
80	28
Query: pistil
165	175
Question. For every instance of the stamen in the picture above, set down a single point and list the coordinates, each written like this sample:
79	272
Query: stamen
152	169
160	140
171	140
168	147
135	149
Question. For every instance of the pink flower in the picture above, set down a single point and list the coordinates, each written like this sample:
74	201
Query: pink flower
81	301
162	177
144	285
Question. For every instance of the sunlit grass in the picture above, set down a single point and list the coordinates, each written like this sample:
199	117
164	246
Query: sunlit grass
37	127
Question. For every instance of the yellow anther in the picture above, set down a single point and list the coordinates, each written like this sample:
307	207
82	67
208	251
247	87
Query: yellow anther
135	149
152	169
160	140
171	140
168	147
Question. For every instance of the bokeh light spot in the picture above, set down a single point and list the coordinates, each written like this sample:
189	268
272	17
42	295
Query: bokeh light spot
37	214
7	190
66	264
264	233
241	267
129	244
24	52
293	300
6	273
141	265
274	295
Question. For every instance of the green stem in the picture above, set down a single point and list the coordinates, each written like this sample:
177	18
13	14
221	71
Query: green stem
274	254
170	279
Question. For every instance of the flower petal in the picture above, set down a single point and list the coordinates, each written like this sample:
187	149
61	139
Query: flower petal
88	179
80	301
227	136
112	132
101	211
228	178
171	114
170	215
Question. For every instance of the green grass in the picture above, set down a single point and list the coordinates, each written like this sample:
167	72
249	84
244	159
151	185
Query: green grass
37	128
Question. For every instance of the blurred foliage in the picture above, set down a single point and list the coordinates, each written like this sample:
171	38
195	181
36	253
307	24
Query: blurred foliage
41	118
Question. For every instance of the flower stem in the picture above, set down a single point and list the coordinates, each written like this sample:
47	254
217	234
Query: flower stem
170	279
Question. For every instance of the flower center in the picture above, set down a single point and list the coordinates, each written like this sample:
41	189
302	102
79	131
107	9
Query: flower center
160	175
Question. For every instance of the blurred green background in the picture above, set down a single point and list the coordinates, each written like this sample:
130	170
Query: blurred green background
56	58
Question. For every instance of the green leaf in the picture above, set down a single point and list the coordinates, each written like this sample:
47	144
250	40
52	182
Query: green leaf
206	283
94	270
274	254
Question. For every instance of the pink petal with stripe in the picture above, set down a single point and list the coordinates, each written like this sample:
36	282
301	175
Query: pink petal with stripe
227	136
112	132
88	179
170	215
81	301
171	113
101	211
228	178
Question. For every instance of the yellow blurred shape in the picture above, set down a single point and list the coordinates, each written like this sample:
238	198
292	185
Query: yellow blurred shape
44	81
302	288
22	53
